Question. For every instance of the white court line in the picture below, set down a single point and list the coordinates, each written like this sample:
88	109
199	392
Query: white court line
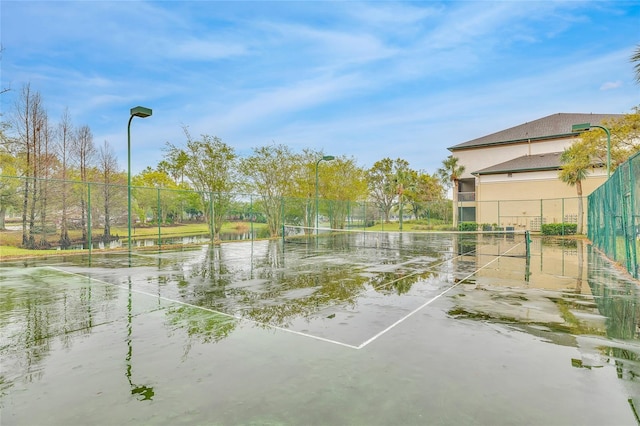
424	271
166	299
401	320
299	333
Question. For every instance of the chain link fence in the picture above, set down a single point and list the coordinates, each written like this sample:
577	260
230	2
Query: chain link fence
527	215
614	216
49	213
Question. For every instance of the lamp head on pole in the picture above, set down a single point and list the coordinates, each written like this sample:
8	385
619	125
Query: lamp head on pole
141	112
583	127
328	157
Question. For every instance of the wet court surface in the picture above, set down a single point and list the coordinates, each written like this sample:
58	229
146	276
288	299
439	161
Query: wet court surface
403	329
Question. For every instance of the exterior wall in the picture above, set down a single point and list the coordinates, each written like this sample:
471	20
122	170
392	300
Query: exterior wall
476	159
541	184
526	200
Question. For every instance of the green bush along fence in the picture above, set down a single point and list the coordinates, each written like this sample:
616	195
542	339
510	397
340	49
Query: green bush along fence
614	215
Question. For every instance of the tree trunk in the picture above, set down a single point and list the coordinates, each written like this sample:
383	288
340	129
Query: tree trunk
3	211
65	242
25	206
83	220
32	215
43	215
455	204
580	207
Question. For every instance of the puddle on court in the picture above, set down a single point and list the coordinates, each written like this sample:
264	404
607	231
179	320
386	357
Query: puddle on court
568	296
61	316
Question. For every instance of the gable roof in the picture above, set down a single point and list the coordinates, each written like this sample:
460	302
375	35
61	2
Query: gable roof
529	163
549	127
526	163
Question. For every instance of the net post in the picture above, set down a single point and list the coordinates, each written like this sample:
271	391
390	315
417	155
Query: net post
527	238
282	215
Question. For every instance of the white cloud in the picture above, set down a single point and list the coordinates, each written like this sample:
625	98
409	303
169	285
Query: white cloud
609	85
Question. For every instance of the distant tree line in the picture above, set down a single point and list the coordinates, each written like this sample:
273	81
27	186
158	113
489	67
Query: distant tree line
200	177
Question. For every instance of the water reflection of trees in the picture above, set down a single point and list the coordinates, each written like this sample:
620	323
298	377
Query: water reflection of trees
262	289
36	312
200	325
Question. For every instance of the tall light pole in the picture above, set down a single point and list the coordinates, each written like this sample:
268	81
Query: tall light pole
586	126
325	158
141	112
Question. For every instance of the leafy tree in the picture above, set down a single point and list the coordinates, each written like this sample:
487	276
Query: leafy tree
449	174
271	173
625	139
164	194
304	187
175	162
576	162
423	189
342	181
212	169
383	180
405	181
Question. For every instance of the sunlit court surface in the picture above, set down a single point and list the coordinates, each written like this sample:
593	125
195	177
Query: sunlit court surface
350	328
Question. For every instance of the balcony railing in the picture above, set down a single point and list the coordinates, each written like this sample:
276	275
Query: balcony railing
466	196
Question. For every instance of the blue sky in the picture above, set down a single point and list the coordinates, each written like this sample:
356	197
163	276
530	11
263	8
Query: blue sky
362	79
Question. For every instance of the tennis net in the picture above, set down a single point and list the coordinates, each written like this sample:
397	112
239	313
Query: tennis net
491	243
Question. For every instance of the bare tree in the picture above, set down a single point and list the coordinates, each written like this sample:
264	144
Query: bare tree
108	169
29	114
84	152
45	163
65	135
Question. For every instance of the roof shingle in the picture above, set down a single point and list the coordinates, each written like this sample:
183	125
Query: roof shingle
549	161
551	126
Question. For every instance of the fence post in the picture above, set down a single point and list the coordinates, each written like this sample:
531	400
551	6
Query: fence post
159	232
89	242
541	216
635	232
282	216
251	217
562	215
212	224
364	214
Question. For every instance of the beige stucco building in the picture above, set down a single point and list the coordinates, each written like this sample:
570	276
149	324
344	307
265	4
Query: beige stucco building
511	176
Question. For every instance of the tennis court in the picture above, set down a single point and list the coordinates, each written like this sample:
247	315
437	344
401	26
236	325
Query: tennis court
349	328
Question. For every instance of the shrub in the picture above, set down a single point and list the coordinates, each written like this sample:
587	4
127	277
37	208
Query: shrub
559	229
467	226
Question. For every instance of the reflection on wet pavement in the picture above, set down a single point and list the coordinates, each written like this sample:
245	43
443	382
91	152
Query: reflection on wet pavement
338	291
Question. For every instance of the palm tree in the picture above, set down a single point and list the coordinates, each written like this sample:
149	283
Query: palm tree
635	58
450	173
576	162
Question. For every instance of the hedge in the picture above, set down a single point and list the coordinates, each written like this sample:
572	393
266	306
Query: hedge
467	226
559	229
